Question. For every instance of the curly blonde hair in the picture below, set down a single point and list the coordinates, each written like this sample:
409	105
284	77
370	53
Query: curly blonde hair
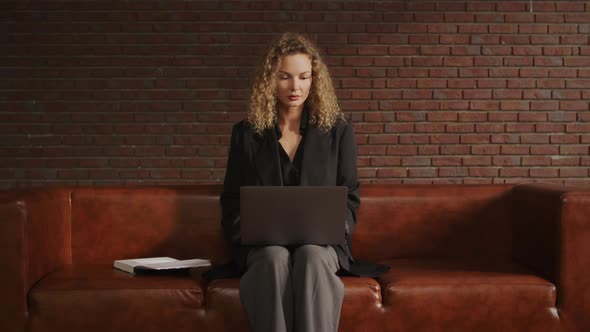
321	103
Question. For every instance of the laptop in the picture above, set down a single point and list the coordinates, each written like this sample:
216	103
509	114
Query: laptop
292	215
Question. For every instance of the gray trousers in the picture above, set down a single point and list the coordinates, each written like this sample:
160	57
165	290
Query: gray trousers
292	292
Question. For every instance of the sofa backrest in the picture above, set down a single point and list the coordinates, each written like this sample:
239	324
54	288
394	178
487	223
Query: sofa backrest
462	221
119	223
434	221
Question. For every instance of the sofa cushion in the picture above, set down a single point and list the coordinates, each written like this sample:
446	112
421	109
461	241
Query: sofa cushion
468	296
361	307
101	297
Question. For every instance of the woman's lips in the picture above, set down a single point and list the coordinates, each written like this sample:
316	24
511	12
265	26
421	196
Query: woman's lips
293	98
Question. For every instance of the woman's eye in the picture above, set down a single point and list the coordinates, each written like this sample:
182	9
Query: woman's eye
305	77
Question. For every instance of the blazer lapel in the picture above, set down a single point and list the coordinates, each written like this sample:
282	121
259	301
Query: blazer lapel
267	160
316	151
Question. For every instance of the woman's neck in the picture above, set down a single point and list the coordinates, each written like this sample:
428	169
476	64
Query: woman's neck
290	118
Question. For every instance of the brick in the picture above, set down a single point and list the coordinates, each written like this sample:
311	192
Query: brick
565	161
402	150
460	128
383	139
583	150
462	83
565	139
392	172
473	72
485	39
503	28
459	17
458	61
422	172
467	50
424	105
514	105
549	18
454	105
481	6
443	72
442	116
413	72
485	150
520	83
477	94
433	83
544	149
574	39
486	18
527	50
573	172
428	150
454	150
444	139
520	127
574	105
514	172
510	94
484	105
447	94
430	127
578	61
569	6
453	172
532	28
483	171
367	173
506	160
495	50
488	62
446	161
385	161
534	139
416	161
544	172
549	128
577	17
427	61
454	39
566	94
372	150
536	161
515	149
557	50
490	128
475	139
534	72
477	160
536	94
417	94
414	139
577	182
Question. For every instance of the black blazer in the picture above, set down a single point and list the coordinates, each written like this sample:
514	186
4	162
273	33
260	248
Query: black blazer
329	159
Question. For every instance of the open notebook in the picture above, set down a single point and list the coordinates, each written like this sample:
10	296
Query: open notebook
158	264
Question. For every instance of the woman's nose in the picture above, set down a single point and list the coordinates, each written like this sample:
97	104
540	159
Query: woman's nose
295	84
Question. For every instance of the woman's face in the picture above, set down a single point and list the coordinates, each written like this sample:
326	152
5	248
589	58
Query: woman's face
293	81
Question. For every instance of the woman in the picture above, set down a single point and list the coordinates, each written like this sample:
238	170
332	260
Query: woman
295	134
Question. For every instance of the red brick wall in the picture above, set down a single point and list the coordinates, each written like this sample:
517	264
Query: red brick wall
127	92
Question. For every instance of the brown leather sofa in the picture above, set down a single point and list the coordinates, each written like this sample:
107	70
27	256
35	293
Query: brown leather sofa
463	258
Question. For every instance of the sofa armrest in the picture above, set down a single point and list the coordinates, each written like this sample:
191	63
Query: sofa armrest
551	235
34	241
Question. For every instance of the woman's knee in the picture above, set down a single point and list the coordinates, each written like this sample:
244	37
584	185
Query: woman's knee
315	255
269	256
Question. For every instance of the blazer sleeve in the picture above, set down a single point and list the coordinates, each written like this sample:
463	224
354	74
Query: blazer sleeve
347	175
230	197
